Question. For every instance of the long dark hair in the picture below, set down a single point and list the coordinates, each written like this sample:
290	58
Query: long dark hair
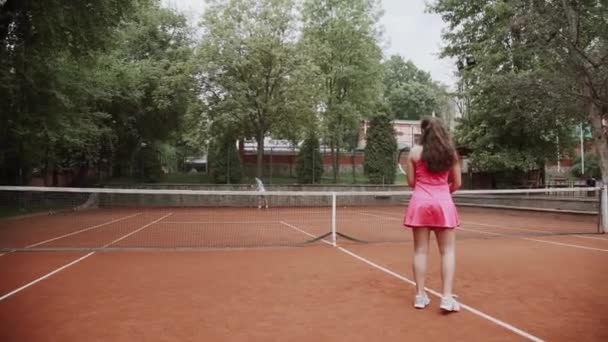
438	152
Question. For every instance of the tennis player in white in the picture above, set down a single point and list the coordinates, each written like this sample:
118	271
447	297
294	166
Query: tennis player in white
261	197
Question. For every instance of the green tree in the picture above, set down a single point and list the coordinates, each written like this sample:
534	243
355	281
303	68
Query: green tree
151	72
253	74
592	167
341	36
506	130
380	151
149	167
47	54
194	135
535	68
85	84
519	85
409	91
309	160
224	162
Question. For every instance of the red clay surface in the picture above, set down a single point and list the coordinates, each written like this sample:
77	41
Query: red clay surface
549	286
315	293
18	269
557	293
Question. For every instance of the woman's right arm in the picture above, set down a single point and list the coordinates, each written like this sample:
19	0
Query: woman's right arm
455	177
414	155
411	172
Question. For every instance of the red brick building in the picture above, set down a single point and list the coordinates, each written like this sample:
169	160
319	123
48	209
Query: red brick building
407	133
280	155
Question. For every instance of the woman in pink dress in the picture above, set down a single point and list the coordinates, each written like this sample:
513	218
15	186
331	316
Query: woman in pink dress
434	173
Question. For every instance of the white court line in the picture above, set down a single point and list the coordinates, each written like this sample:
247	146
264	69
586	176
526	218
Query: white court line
394	274
285	211
496	226
250	222
45	276
218	222
76	232
136	231
512	236
526	229
437	294
33	282
304	232
82	230
536	240
391	218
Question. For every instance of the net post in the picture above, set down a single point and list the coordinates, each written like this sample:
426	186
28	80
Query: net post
604	209
333	219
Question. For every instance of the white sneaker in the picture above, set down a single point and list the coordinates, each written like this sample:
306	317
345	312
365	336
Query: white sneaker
449	304
421	301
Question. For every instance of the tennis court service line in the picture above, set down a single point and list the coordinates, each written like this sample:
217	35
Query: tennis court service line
82	230
502	227
57	270
218	222
45	276
536	240
77	232
253	221
435	293
527	229
506	235
304	232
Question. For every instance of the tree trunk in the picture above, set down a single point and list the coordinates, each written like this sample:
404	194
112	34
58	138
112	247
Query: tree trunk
81	176
353	168
600	137
353	156
260	155
332	147
55	175
21	173
45	170
337	141
337	164
228	159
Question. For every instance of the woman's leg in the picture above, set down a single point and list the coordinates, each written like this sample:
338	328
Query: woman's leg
446	239
421	251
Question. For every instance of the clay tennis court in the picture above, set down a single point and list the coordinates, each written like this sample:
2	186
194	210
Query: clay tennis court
236	274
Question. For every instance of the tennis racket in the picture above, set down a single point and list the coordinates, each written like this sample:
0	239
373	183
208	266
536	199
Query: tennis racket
401	151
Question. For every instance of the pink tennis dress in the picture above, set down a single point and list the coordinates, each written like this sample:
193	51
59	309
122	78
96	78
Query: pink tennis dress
431	204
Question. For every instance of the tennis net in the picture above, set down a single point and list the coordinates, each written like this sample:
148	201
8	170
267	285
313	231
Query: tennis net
43	218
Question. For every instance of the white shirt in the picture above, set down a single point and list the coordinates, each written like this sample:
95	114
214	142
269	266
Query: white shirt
260	185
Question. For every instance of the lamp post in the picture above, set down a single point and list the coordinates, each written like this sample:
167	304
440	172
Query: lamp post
582	151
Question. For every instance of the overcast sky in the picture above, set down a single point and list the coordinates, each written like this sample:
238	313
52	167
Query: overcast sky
408	31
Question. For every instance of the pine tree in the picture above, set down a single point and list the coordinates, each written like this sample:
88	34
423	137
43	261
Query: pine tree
224	162
380	150
309	161
149	166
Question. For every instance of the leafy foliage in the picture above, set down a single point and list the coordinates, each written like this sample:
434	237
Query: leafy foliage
254	77
409	92
531	71
309	161
341	36
85	83
128	89
224	162
592	167
521	75
380	151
